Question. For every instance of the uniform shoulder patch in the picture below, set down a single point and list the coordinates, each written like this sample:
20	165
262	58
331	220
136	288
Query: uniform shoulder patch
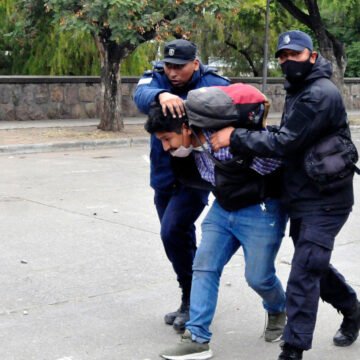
145	80
220	76
214	71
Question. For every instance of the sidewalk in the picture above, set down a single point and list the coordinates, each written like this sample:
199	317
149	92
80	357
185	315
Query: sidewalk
19	137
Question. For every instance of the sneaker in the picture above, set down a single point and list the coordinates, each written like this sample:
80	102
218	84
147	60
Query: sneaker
289	352
274	326
349	329
188	349
179	317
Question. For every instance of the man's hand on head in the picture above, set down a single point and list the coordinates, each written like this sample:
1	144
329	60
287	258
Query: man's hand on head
221	138
173	103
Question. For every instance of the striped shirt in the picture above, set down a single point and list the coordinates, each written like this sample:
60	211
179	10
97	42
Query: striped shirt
206	166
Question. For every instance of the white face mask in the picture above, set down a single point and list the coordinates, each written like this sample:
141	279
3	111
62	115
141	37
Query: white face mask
202	148
182	151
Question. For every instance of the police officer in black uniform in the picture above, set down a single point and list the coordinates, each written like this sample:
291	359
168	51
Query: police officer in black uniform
313	109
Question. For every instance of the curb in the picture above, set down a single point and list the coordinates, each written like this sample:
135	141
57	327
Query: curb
87	144
72	145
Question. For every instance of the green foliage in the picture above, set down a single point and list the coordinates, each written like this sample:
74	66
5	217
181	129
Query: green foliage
6	8
37	47
57	36
127	20
63	53
343	18
140	60
237	37
353	65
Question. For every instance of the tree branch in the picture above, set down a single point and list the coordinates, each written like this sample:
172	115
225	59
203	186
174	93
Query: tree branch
296	12
245	54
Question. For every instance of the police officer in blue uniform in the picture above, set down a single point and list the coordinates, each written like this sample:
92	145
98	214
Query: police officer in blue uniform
177	206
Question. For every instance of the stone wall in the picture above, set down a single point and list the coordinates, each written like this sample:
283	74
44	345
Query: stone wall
78	97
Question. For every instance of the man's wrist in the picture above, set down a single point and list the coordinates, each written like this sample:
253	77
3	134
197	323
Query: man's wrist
158	94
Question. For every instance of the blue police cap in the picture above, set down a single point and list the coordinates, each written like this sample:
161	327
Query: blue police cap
179	52
294	40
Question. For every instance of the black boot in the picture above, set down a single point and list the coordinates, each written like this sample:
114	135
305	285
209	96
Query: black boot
169	318
180	312
349	328
179	317
182	317
290	352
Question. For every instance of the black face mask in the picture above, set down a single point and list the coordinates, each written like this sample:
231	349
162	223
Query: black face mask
296	71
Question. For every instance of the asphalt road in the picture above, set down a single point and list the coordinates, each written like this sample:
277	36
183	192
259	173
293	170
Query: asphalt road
84	277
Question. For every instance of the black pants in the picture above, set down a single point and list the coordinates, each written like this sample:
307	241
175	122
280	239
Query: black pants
313	277
178	211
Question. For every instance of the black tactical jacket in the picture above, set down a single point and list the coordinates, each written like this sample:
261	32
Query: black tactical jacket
313	109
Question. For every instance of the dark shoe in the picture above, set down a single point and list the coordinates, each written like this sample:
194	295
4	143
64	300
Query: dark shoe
188	349
179	317
290	352
169	318
274	327
349	328
182	317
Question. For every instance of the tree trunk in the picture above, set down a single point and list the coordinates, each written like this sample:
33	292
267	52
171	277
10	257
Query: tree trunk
111	56
334	51
111	118
110	115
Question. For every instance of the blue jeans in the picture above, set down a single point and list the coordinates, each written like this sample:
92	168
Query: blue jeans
259	229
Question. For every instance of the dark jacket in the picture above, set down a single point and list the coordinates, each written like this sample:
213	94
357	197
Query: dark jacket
313	109
149	87
236	185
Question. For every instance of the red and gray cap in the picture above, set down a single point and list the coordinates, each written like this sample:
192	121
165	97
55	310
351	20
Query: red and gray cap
294	40
179	52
